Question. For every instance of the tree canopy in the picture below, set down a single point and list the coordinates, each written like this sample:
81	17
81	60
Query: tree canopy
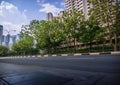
4	50
25	44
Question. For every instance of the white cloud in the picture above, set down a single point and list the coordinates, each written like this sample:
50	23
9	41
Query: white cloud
38	1
47	7
11	17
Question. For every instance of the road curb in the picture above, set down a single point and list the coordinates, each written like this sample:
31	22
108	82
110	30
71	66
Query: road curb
117	52
54	55
94	53
105	53
79	54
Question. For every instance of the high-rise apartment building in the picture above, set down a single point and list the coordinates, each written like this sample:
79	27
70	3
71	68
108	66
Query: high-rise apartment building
79	5
61	13
49	16
1	33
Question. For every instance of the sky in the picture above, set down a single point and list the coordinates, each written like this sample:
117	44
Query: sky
15	13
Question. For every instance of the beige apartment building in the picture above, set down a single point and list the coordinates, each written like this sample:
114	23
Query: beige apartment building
80	5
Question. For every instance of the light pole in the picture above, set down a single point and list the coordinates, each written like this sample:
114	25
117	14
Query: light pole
8	36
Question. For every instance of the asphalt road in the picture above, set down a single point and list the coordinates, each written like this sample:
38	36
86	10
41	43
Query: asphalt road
84	70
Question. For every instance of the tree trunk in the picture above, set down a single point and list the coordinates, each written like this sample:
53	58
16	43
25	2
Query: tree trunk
116	30
74	45
90	46
115	42
90	43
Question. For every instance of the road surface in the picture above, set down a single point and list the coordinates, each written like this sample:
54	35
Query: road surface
81	70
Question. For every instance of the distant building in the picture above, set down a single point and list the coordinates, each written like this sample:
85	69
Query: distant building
1	30
18	36
56	17
10	42
14	38
60	16
3	39
7	40
49	16
61	13
1	33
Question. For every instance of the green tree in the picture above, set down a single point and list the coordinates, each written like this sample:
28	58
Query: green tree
116	24
24	45
56	33
4	50
90	31
50	34
108	14
42	35
72	21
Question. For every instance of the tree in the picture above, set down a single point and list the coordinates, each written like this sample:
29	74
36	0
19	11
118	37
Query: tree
24	45
116	24
90	31
107	12
4	50
29	30
56	33
72	20
50	34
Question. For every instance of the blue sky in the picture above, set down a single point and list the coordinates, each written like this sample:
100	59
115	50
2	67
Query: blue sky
14	13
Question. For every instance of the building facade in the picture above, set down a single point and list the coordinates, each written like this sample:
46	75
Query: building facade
8	40
49	16
79	5
1	34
